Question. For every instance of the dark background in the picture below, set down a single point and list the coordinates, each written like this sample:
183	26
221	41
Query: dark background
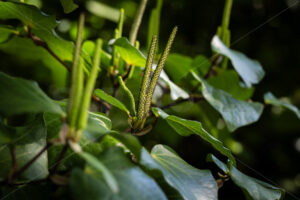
263	29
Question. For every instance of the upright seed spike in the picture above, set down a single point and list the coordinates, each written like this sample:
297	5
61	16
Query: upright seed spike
146	78
158	70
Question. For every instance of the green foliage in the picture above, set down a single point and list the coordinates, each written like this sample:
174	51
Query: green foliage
19	96
84	148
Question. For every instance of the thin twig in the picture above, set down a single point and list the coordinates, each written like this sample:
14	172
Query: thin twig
30	162
60	157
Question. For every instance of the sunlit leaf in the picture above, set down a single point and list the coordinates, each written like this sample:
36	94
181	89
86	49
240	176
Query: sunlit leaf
129	53
102	10
271	99
175	91
236	113
111	100
250	70
20	96
188	127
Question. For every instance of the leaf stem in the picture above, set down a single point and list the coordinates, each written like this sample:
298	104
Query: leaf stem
226	16
77	78
137	22
129	95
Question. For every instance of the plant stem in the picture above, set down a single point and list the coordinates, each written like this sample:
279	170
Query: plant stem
129	95
146	79
30	162
226	16
88	91
137	22
77	78
60	157
121	23
158	70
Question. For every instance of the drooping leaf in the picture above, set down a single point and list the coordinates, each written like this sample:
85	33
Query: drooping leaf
20	96
190	182
250	70
271	99
129	53
101	169
175	91
236	113
27	141
68	5
111	100
188	127
256	189
229	82
90	185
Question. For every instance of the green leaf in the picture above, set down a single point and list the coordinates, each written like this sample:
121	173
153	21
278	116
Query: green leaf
20	96
256	189
190	182
271	99
154	22
236	113
25	50
129	53
228	81
68	5
102	10
42	26
250	71
100	168
188	127
175	91
91	185
178	66
27	141
111	100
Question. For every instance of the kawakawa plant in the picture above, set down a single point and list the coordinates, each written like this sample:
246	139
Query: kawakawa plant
63	149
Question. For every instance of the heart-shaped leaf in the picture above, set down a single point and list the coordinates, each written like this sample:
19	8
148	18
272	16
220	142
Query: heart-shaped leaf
250	70
236	113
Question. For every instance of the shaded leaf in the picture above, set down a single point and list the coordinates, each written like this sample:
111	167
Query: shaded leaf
68	5
188	127
271	99
250	71
20	96
190	182
91	185
229	82
111	100
28	141
129	53
256	189
236	113
100	168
